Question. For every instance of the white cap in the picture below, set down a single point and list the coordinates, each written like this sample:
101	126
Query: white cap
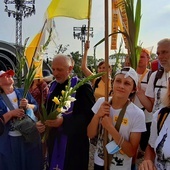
129	72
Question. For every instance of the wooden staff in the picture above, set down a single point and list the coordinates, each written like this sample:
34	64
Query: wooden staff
88	25
105	140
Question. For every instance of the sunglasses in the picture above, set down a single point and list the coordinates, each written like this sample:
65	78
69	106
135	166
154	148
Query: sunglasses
125	69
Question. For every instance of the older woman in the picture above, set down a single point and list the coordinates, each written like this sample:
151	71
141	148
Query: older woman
15	152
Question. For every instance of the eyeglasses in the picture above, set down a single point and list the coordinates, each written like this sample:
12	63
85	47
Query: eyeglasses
125	69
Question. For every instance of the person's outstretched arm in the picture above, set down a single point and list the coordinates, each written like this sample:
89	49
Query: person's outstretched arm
86	71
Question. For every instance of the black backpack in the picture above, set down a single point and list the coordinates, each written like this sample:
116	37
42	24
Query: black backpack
158	76
96	83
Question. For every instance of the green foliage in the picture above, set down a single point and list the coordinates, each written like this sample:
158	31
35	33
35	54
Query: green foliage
132	33
21	58
29	79
77	58
117	56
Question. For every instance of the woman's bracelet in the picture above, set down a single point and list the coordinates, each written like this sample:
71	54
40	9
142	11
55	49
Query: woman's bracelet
121	140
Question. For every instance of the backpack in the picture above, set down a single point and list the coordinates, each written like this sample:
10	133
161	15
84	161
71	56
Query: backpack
158	76
96	83
162	115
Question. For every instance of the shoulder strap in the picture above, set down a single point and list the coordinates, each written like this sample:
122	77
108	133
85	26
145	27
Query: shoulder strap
158	76
162	115
7	101
149	74
96	83
117	126
121	115
143	75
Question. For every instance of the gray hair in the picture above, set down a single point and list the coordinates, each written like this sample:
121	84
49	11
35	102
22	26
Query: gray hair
67	59
164	41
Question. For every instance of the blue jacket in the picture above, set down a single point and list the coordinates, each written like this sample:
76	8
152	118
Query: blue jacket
4	138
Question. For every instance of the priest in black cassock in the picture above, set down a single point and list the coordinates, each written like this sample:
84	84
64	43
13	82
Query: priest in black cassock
68	143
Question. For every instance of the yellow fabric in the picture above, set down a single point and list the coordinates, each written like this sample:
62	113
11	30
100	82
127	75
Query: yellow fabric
38	61
119	21
39	65
77	9
31	48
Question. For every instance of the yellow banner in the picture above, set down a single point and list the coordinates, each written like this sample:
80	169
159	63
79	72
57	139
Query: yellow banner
77	9
119	22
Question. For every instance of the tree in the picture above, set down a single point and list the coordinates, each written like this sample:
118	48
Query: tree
77	59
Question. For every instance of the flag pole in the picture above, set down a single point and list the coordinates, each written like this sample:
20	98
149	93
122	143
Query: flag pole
105	140
88	24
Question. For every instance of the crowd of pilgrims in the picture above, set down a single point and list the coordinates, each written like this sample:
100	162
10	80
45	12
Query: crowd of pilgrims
134	117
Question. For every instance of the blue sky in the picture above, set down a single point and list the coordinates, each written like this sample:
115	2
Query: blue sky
155	25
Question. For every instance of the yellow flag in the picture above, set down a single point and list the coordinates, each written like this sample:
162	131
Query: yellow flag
32	56
32	47
77	9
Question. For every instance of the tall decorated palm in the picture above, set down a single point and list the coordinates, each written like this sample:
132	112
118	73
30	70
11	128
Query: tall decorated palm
132	32
32	70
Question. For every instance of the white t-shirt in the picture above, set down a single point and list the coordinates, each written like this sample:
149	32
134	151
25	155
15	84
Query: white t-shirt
14	101
133	121
154	92
161	143
144	84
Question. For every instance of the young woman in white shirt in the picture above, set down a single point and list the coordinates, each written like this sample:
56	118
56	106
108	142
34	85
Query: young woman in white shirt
124	143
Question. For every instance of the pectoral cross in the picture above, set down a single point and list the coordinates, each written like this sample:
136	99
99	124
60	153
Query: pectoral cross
56	168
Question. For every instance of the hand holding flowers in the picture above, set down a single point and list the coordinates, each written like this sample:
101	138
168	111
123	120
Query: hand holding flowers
54	123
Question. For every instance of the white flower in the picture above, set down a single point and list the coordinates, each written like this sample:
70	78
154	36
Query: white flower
72	99
63	110
67	104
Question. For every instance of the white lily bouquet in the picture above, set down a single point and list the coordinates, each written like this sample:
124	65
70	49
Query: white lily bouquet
63	103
